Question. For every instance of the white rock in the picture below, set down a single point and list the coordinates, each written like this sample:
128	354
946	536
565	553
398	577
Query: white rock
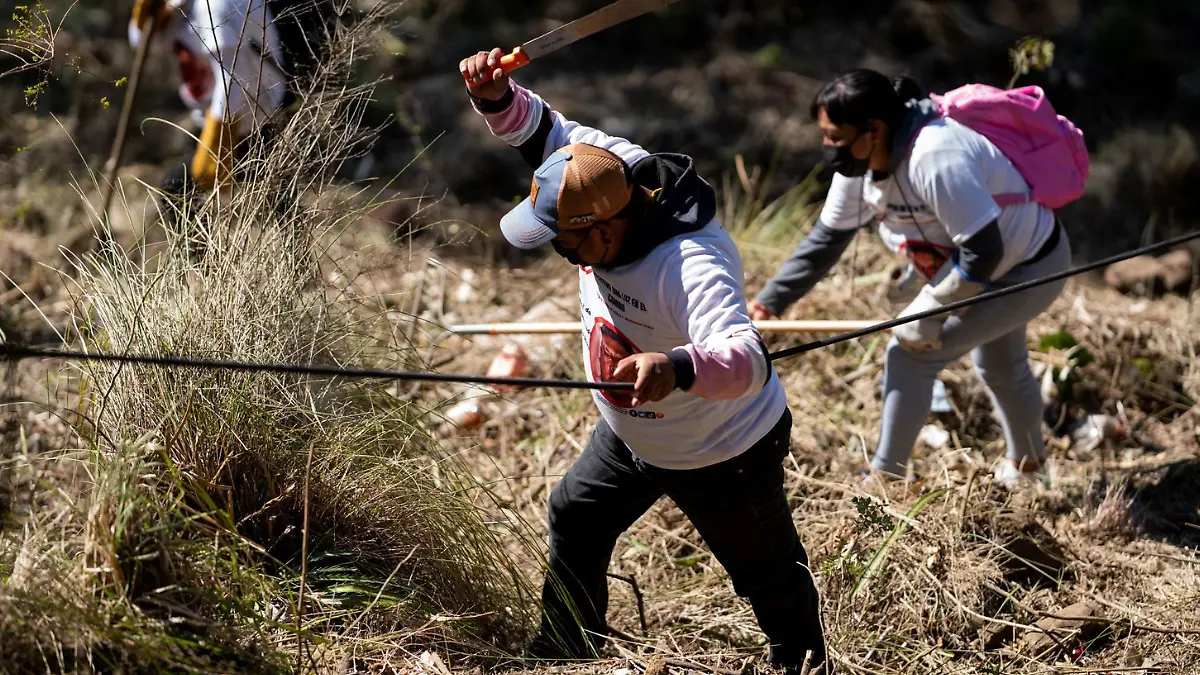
934	436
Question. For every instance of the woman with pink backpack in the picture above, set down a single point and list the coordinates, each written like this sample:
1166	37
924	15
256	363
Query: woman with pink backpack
964	186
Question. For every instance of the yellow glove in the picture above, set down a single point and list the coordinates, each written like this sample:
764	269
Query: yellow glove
213	161
144	9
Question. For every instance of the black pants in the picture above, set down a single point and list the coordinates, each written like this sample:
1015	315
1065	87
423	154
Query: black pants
739	508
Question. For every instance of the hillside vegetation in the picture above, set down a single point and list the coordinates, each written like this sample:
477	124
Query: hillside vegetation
188	520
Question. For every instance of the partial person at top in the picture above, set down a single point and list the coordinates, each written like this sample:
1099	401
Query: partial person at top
238	62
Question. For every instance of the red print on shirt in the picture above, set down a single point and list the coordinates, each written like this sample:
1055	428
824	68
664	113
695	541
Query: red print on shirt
607	346
926	256
195	72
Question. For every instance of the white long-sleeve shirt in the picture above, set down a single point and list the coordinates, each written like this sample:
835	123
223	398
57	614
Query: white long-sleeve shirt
939	196
687	293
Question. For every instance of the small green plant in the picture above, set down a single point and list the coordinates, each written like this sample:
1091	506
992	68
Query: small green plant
848	564
1075	356
1031	53
871	517
876	563
30	43
851	563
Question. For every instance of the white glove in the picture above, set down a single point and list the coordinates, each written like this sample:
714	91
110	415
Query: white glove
922	334
926	334
904	288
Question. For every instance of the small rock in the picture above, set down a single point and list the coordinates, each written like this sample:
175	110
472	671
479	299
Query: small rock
512	361
934	436
1079	624
1033	555
1177	271
1142	275
994	635
1146	275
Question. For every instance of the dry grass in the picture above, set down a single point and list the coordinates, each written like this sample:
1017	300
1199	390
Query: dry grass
166	526
960	588
227	522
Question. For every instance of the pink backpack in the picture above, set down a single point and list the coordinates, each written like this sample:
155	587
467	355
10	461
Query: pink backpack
1046	148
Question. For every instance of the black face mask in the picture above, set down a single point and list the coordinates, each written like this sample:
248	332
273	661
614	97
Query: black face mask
842	160
571	255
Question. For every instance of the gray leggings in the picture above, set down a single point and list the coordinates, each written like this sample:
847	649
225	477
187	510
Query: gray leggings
994	333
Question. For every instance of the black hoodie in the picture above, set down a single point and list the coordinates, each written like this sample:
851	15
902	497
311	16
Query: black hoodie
683	202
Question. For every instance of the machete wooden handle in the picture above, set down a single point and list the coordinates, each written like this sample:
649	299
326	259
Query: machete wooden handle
508	63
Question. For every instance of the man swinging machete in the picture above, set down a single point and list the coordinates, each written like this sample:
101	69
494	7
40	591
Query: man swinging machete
662	303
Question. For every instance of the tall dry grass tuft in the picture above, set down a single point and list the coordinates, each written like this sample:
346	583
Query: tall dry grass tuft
108	573
284	512
756	217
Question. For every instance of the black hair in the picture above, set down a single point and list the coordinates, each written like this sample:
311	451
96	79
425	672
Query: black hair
858	96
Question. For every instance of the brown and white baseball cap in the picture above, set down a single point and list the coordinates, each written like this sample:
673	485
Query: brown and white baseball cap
576	186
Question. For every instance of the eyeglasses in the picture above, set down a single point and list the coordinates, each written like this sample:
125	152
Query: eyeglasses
572	254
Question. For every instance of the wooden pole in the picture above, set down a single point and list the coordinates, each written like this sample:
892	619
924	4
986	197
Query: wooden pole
552	328
118	149
113	165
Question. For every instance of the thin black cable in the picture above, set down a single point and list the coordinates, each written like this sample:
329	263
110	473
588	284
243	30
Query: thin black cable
982	297
18	352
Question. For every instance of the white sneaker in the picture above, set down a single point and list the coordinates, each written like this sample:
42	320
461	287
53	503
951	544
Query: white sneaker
1014	478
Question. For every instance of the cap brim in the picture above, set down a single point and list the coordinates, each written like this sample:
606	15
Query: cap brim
522	228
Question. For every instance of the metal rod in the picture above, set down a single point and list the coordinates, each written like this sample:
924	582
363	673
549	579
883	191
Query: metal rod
982	297
561	327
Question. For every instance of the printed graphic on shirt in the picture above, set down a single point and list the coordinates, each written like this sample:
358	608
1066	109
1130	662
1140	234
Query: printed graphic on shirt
926	256
196	74
918	214
607	346
619	300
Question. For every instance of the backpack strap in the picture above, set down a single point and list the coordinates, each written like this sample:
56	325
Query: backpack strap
1004	200
1007	199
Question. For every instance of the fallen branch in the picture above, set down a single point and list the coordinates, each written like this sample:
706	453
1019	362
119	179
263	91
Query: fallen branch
637	593
686	663
1096	619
